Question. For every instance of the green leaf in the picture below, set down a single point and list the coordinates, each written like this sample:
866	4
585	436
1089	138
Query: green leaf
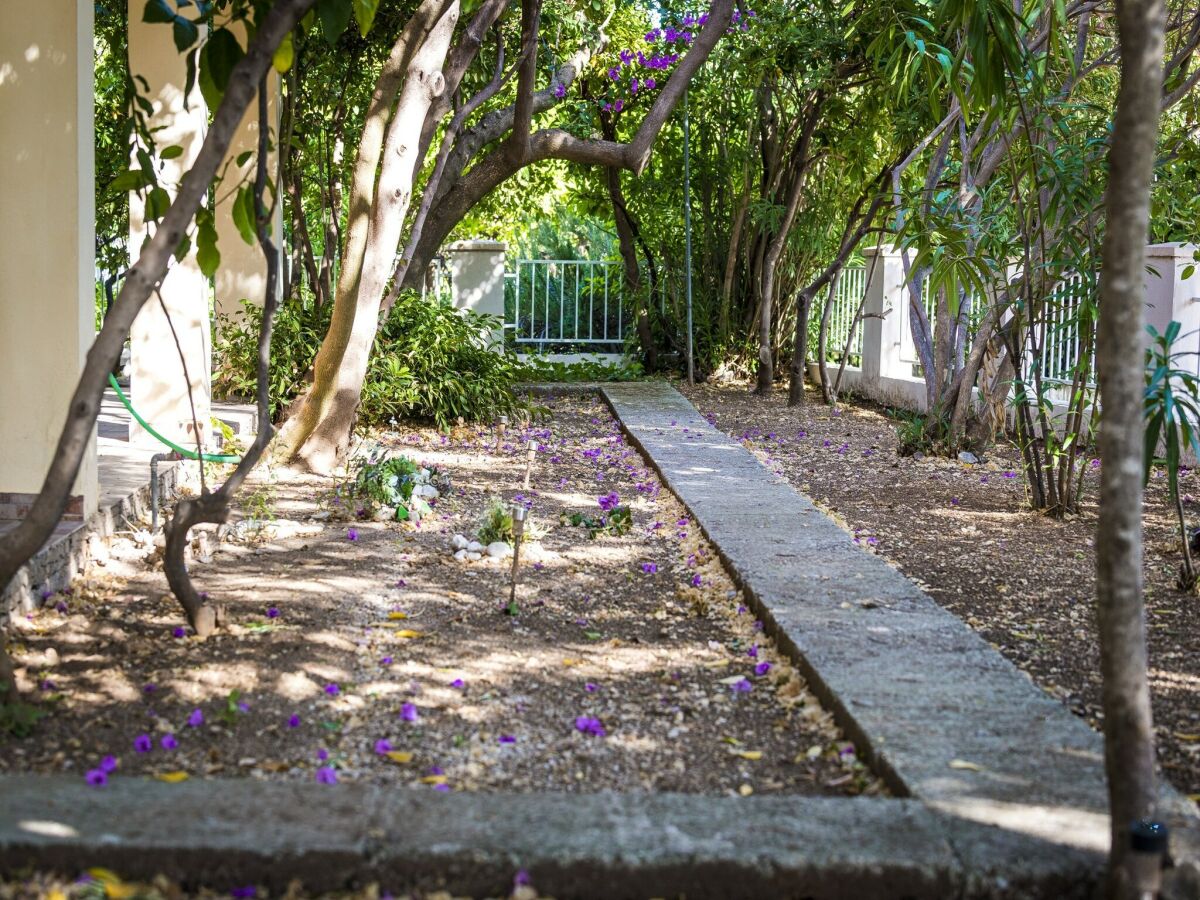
208	257
184	247
220	54
185	33
244	157
335	17
158	11
243	215
364	11
285	54
158	201
172	152
1188	271
132	180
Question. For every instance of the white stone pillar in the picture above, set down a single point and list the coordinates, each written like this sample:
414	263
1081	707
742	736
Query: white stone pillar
47	225
158	387
887	316
477	277
243	271
1170	296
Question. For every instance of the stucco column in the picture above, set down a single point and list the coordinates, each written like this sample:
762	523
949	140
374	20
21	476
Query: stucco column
477	278
159	390
47	224
243	271
886	315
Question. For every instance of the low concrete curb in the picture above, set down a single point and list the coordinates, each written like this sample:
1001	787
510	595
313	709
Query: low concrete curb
941	715
225	833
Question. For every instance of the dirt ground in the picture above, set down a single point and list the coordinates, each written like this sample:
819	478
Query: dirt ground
1024	581
364	650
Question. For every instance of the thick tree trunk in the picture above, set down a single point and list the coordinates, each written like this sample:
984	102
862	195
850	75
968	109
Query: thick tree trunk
318	435
1128	728
308	411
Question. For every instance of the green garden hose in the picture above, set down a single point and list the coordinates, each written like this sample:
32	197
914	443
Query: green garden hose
186	454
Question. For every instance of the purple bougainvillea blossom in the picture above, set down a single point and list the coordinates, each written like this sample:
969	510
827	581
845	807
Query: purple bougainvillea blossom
327	775
196	719
742	687
409	713
590	725
762	669
169	742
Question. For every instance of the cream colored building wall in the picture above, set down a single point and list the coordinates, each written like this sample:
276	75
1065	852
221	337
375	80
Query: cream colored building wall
159	389
47	218
243	271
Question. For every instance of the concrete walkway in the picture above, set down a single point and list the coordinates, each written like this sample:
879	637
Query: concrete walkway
942	716
234	832
124	474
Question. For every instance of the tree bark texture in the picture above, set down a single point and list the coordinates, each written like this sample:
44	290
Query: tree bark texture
1128	728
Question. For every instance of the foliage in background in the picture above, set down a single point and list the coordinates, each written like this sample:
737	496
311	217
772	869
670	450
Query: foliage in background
1172	410
431	362
496	524
539	369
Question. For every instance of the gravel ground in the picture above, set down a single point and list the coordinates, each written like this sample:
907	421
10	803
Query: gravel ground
1024	581
389	660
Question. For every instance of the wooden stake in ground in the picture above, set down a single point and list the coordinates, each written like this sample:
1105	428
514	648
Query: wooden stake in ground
519	513
529	462
501	423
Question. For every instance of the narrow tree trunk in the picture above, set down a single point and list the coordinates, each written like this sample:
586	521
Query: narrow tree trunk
1128	728
800	351
19	544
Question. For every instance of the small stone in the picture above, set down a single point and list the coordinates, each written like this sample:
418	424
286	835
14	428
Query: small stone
918	456
458	542
472	556
385	513
966	457
474	547
498	550
460	555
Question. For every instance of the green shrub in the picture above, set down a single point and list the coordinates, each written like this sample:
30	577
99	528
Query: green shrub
497	524
539	369
388	481
430	362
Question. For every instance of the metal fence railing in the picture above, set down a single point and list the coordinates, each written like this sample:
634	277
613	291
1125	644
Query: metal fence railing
561	302
848	295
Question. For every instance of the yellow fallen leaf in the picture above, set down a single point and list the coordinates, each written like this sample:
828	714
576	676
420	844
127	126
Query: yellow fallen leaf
1190	738
172	777
745	790
1024	636
56	895
963	764
405	634
434	779
397	615
113	886
399	756
571	662
749	754
1195	798
730	740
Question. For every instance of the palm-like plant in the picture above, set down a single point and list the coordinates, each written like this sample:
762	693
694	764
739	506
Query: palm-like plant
1171	410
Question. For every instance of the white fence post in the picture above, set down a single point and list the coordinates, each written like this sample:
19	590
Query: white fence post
1171	296
477	278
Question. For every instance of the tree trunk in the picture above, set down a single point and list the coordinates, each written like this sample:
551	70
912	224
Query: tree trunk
800	351
318	435
1128	729
19	544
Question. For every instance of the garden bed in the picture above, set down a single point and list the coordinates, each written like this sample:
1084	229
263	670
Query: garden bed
1024	581
363	650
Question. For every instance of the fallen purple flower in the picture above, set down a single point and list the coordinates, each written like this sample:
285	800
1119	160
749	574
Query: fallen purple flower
196	719
408	712
169	742
590	725
326	775
762	669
